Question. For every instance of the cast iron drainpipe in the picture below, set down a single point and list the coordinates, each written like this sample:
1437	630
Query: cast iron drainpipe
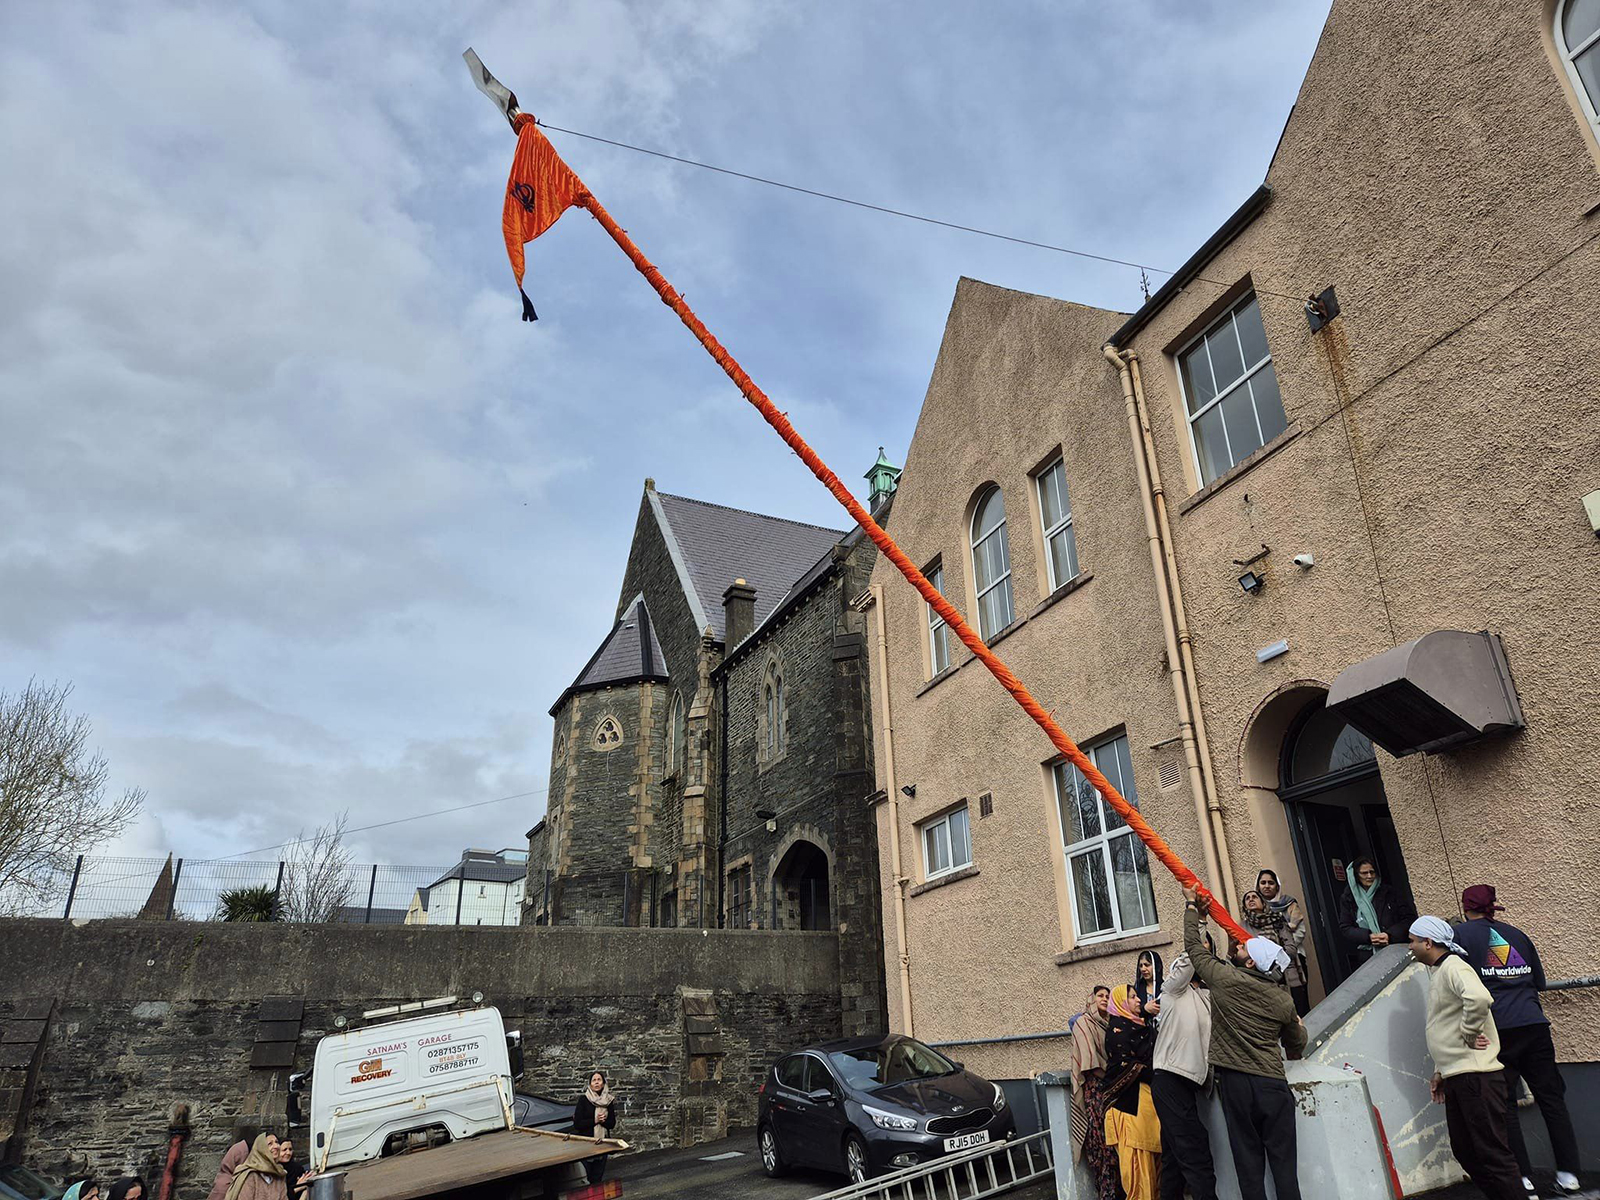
1175	663
891	790
176	1133
1180	616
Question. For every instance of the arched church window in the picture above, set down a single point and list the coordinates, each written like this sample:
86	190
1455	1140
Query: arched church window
676	739
773	717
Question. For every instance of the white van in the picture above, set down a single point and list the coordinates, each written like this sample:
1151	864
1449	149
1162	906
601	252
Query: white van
442	1076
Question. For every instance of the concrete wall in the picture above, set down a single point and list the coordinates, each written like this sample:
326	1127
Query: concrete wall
150	1014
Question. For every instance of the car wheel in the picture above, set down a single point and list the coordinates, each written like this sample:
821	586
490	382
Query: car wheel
771	1159
856	1164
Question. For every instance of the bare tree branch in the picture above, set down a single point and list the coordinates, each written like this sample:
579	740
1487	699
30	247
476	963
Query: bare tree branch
53	802
316	874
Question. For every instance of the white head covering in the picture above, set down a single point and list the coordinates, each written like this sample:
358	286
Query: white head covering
1266	954
1437	931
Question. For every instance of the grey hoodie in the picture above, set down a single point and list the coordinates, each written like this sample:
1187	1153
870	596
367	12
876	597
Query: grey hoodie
1183	1039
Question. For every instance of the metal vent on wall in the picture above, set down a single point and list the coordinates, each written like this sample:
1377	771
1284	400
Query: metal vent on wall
1169	774
986	805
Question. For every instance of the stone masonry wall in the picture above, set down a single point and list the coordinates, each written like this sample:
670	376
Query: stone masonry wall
819	784
150	1014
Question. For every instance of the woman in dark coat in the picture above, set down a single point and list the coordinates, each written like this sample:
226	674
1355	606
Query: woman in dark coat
1130	1043
594	1116
1371	913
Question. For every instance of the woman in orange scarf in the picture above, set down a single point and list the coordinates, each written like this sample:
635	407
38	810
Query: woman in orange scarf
1131	1124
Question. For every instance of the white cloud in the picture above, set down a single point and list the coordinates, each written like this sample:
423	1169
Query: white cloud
314	522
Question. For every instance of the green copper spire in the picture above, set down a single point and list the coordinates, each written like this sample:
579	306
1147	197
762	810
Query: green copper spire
883	478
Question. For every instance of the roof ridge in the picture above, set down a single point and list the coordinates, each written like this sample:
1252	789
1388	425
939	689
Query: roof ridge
752	513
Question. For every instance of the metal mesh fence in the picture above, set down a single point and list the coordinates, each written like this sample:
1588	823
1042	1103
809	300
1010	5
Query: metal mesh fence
91	887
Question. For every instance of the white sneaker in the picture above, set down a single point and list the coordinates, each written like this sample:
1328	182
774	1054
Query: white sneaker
1567	1181
1527	1186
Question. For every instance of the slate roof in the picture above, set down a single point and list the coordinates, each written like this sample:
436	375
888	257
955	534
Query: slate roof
720	544
629	653
479	870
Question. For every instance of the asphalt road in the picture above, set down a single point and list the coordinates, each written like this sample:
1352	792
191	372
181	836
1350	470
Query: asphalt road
678	1173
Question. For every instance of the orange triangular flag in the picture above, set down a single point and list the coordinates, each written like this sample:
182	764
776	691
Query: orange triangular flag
540	189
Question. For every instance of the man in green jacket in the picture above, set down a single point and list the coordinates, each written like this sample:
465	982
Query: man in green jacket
1252	1013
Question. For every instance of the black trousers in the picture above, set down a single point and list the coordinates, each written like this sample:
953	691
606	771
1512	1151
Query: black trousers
1527	1052
1475	1114
1260	1114
595	1168
1185	1148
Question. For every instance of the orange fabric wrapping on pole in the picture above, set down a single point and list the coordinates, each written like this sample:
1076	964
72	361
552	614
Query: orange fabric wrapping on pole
886	545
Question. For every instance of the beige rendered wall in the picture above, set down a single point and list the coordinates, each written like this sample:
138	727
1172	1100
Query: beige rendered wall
1017	378
1442	433
1443	430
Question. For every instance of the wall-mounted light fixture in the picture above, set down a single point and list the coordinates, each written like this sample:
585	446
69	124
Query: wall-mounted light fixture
770	817
909	791
1251	582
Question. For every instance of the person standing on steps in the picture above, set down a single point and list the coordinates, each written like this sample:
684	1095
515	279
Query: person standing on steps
1467	1078
1293	939
1508	963
1252	1015
1372	914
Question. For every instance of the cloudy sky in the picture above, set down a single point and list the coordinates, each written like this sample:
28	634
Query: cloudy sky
313	522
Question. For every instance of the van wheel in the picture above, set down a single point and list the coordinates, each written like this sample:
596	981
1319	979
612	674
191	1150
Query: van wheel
771	1160
856	1164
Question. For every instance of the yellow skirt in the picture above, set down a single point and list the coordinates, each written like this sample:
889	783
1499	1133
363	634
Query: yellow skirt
1137	1138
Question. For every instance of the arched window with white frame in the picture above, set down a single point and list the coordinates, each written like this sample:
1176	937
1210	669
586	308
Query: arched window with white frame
1577	34
991	563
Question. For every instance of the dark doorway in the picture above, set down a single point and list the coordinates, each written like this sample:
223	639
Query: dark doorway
1337	812
800	889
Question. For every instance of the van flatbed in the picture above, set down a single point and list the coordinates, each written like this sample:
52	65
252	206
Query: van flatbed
481	1159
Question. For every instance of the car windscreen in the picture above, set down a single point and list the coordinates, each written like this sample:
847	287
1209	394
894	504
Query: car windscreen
25	1183
899	1061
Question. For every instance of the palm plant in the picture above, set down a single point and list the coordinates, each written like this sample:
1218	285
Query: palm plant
255	903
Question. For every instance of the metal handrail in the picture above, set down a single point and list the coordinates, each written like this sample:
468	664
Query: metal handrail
965	1175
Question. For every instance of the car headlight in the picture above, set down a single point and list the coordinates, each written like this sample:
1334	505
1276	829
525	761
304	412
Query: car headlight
999	1099
888	1120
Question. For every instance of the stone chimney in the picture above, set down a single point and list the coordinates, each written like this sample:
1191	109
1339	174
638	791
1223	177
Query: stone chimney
739	612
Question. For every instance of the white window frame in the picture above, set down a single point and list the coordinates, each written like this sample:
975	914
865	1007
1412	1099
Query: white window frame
1100	842
938	631
974	540
1569	56
1064	524
932	829
1250	372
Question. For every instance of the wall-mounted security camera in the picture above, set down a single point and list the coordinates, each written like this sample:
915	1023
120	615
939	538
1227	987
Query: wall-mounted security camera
1304	561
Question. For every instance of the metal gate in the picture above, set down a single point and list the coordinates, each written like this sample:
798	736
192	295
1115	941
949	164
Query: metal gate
965	1175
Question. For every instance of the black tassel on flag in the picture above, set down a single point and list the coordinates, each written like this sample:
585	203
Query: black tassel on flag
527	308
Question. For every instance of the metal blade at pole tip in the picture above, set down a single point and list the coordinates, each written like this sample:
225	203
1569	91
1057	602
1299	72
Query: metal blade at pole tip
503	97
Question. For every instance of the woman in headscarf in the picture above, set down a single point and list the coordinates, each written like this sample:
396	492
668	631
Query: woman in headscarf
260	1175
1294	939
1371	913
1088	1077
1148	976
84	1189
1131	1125
129	1187
594	1116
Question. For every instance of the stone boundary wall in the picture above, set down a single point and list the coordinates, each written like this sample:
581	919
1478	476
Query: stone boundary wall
146	1015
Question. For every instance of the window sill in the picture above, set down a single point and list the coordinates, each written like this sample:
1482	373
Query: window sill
1119	945
1005	631
942	675
966	872
1065	590
1243	467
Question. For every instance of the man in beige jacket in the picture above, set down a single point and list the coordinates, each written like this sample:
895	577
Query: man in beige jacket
1467	1076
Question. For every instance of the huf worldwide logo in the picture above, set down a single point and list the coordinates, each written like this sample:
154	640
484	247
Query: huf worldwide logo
372	1069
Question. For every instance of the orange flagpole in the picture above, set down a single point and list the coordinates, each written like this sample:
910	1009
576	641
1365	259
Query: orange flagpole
770	413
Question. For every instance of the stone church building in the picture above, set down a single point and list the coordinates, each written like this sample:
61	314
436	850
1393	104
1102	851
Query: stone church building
712	761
